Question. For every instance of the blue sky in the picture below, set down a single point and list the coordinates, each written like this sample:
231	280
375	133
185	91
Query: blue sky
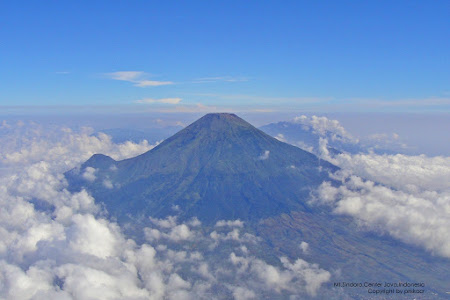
209	55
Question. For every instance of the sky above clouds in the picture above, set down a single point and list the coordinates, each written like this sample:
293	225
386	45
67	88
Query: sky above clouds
195	56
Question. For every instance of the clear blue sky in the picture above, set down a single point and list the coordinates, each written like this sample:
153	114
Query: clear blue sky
313	55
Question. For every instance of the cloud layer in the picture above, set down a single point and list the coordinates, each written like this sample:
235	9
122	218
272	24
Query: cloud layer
407	197
59	245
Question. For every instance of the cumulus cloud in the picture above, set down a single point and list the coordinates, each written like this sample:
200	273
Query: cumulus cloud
108	184
264	156
58	245
170	229
292	277
89	174
405	196
136	77
323	126
403	172
230	223
304	246
421	218
61	147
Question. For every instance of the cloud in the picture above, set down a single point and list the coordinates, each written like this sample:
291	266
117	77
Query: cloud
162	100
126	75
89	174
405	196
176	233
241	293
230	223
403	172
136	77
281	137
304	246
264	156
292	277
62	147
421	219
385	141
324	126
108	184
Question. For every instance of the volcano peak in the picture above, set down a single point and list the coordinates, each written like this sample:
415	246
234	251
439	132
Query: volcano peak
219	167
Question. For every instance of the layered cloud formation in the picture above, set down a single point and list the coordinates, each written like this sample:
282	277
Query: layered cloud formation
59	245
407	197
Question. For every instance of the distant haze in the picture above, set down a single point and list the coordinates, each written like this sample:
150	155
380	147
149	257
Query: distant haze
424	133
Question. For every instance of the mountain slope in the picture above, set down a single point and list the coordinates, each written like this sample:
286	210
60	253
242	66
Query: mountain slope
219	167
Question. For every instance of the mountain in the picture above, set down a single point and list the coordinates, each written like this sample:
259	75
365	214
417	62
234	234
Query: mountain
222	168
219	167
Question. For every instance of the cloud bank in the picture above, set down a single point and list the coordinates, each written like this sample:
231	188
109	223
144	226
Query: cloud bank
59	245
405	196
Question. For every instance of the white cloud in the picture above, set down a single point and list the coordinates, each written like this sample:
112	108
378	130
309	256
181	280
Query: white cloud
136	77
264	156
241	293
421	218
324	126
162	100
280	137
126	75
304	246
293	277
169	222
145	83
405	196
108	184
93	236
230	223
89	174
404	172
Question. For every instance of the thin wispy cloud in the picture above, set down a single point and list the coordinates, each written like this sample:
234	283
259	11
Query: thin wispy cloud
138	78
162	100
